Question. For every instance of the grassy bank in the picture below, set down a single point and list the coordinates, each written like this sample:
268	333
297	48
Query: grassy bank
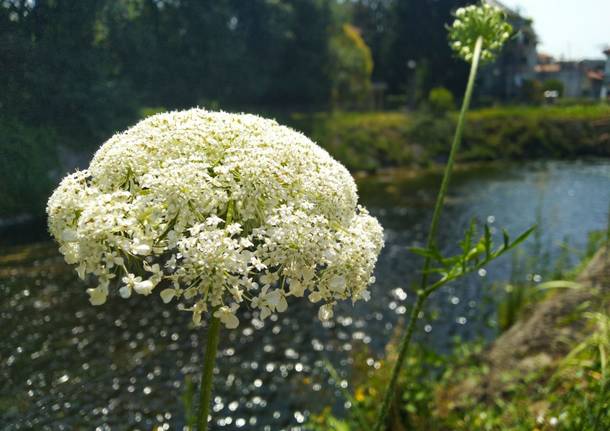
549	371
370	141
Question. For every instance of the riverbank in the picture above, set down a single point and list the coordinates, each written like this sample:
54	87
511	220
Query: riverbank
36	158
548	371
373	141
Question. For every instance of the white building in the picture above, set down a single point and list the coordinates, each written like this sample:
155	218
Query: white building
504	79
605	91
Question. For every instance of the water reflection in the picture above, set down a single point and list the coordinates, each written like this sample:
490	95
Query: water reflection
67	365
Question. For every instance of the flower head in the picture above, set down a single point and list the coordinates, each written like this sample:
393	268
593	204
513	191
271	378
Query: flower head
472	22
216	210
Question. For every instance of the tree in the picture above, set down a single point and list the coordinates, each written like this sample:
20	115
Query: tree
352	66
60	75
374	19
416	35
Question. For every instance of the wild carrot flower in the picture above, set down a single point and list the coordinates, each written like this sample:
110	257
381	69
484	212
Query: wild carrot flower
472	22
216	210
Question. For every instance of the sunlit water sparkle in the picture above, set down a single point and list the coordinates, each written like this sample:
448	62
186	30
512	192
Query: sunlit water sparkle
66	365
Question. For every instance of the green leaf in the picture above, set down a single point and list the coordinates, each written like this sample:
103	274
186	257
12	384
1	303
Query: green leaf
487	241
431	253
466	244
472	257
523	236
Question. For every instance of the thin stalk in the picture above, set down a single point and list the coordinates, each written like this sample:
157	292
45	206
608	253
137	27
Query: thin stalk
424	292
455	146
207	377
205	396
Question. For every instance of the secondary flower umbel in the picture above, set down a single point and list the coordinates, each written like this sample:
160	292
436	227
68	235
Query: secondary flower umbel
485	21
216	210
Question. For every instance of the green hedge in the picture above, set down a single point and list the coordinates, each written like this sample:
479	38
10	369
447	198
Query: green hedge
362	141
370	141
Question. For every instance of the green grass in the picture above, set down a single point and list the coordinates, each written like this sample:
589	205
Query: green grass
436	392
579	112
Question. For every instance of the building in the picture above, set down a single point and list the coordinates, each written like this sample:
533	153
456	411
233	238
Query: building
520	72
515	66
605	89
579	79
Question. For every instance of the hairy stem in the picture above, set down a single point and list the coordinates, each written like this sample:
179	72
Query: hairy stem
207	377
423	293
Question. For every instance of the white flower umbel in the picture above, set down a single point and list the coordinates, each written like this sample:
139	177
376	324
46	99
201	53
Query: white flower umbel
216	210
474	21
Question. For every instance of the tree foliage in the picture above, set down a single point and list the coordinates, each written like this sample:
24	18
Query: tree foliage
352	68
418	44
87	68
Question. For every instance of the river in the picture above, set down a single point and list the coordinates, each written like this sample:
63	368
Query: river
67	365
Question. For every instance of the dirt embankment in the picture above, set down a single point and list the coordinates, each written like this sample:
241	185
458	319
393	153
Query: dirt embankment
539	340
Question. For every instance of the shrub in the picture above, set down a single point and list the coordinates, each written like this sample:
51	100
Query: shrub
532	92
441	100
553	85
361	141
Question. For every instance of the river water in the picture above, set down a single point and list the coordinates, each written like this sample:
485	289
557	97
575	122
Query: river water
126	365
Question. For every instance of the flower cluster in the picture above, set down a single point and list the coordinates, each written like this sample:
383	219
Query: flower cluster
472	22
216	210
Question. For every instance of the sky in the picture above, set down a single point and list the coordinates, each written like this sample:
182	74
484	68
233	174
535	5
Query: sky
572	29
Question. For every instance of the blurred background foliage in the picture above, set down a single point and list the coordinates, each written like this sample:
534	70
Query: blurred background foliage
86	67
373	81
76	72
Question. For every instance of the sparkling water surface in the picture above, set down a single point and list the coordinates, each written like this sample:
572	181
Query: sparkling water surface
66	365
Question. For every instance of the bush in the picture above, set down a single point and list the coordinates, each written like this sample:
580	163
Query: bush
352	66
553	85
148	111
361	141
28	167
441	100
532	92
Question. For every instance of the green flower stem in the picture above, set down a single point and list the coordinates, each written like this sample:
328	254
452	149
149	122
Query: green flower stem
207	377
457	140
205	396
424	292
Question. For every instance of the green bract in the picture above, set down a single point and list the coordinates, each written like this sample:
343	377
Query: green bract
484	21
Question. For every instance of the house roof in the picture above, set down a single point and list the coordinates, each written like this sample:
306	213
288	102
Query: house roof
595	75
544	58
547	68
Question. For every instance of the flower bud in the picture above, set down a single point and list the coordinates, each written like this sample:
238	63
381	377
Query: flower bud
473	22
